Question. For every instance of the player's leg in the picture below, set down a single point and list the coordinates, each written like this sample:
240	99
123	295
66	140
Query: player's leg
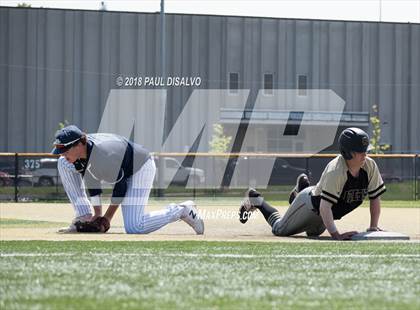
253	201
302	182
136	221
315	228
300	217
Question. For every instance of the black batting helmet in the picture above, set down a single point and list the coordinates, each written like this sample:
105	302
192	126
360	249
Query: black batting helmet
353	140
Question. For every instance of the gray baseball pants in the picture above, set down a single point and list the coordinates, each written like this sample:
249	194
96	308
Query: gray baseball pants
300	217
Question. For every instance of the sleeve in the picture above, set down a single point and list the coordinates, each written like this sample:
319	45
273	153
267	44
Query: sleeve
92	185
74	187
331	187
376	186
120	189
94	192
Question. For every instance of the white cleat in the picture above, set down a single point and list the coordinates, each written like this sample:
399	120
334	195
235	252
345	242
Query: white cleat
72	228
191	217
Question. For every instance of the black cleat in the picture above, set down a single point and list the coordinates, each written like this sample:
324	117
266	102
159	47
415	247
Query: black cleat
252	198
302	182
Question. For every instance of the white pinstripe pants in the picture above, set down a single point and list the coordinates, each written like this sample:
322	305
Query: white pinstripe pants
138	191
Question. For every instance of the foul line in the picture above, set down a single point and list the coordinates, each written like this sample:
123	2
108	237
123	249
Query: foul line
202	255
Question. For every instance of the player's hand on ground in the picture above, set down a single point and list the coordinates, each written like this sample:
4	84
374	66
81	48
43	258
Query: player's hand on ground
100	225
344	236
103	224
95	217
348	235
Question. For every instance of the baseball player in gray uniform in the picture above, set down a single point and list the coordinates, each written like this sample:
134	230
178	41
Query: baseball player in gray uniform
343	185
88	160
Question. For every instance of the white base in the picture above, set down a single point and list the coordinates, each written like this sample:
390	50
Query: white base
380	235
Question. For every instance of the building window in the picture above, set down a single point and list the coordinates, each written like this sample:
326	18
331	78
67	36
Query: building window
302	85
277	142
268	83
233	82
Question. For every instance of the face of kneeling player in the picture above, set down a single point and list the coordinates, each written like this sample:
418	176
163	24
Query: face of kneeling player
74	153
358	158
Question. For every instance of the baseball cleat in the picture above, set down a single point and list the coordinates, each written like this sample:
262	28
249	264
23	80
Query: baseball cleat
252	199
72	227
191	216
302	182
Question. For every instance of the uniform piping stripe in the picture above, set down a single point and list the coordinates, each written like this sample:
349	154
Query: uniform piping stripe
379	194
330	195
378	188
273	218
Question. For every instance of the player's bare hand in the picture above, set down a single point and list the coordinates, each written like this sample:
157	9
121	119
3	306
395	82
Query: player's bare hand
344	236
95	217
348	235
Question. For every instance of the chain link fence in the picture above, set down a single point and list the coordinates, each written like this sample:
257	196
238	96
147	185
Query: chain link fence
35	177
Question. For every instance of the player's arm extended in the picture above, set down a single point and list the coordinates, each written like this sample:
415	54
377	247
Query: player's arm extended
97	206
328	219
375	211
109	214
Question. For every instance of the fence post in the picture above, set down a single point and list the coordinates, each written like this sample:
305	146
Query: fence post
416	193
214	173
161	165
194	183
16	176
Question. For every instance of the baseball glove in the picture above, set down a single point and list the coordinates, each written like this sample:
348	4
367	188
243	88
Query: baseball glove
100	224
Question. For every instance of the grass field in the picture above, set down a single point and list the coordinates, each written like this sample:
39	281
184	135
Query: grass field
209	275
16	223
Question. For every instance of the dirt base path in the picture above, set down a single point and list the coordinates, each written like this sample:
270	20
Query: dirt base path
221	224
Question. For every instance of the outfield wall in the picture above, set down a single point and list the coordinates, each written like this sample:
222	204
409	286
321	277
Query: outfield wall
34	176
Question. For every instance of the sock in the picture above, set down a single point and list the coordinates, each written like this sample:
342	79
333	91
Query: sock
269	212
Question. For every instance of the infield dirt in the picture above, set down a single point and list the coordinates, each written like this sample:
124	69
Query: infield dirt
221	224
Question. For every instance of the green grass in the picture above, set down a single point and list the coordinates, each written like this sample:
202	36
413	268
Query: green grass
209	275
15	223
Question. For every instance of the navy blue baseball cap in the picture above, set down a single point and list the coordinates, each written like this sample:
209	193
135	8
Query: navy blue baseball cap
66	138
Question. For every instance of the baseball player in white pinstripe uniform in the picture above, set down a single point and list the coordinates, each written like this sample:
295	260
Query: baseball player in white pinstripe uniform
88	160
